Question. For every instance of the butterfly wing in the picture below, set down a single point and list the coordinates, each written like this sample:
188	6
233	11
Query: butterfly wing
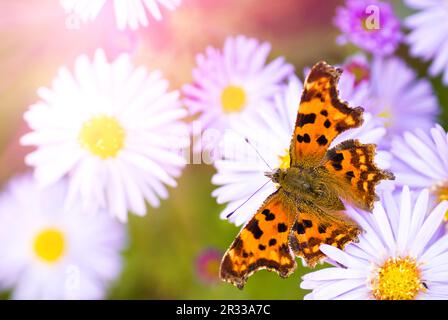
352	163
314	227
321	117
350	169
262	243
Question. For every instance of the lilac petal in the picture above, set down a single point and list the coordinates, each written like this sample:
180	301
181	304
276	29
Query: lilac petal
383	226
393	213
437	248
332	290
419	212
440	139
313	284
430	226
427	153
341	257
334	274
361	293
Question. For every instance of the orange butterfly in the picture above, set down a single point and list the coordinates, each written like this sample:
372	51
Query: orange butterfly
306	210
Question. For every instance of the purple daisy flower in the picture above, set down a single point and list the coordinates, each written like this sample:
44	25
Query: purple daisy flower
207	265
359	67
370	25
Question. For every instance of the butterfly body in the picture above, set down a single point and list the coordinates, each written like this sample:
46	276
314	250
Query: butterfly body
307	208
308	185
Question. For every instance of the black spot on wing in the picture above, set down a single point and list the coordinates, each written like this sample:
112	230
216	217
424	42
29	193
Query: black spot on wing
337	166
269	216
322	228
238	245
306	138
254	228
322	140
299	228
307	223
281	227
303	119
320	97
349	175
335	156
335	159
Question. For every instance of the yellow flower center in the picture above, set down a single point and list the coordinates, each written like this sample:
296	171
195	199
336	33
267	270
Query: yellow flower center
440	190
360	72
397	279
233	99
366	27
213	268
285	160
103	136
49	245
386	114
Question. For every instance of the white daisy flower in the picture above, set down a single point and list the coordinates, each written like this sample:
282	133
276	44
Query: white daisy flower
128	13
401	255
114	130
420	160
51	252
234	82
241	171
428	38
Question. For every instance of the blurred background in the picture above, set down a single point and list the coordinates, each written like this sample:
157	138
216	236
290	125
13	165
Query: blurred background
174	251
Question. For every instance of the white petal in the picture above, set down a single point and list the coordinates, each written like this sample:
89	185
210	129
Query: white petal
405	220
335	274
431	224
438	247
341	257
419	212
383	226
333	290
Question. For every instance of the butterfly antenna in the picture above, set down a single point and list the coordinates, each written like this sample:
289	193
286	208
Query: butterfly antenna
231	213
258	153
